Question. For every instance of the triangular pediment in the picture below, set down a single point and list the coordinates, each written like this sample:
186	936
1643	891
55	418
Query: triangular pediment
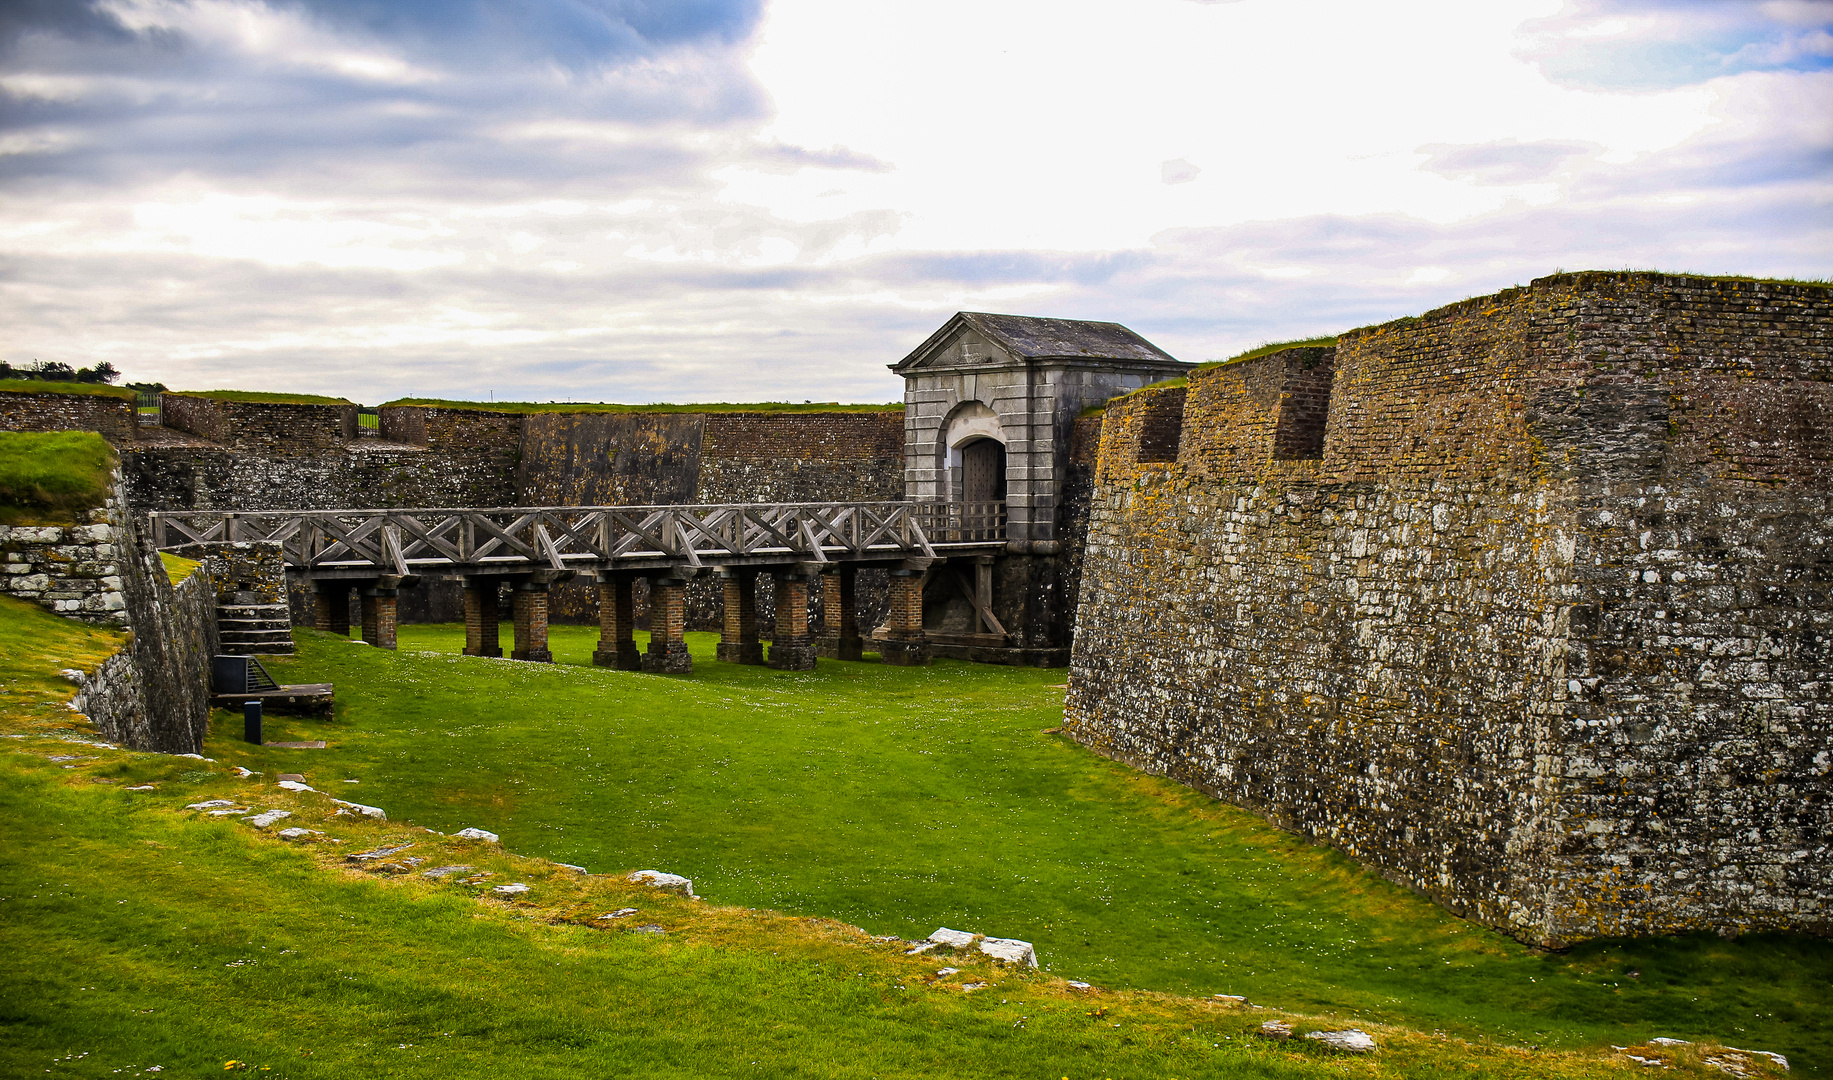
960	345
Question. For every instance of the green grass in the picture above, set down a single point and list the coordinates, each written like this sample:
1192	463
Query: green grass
901	800
1270	348
53	477
139	934
264	398
41	386
610	407
177	568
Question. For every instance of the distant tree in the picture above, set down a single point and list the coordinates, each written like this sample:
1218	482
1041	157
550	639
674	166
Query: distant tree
58	371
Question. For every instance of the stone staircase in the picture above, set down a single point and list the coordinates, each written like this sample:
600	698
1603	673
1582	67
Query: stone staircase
248	626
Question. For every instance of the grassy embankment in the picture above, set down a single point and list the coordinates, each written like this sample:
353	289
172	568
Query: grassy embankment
139	934
262	397
901	800
53	477
46	386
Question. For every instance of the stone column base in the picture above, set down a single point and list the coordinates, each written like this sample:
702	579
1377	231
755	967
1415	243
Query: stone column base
626	657
792	655
740	652
833	647
498	652
671	659
538	656
904	653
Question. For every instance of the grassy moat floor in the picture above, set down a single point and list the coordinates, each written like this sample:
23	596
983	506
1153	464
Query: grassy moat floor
893	800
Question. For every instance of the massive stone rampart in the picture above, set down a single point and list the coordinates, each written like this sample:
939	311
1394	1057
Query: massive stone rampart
1537	621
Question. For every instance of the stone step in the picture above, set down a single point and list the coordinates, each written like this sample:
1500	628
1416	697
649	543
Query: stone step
252	611
257	638
258	648
254	624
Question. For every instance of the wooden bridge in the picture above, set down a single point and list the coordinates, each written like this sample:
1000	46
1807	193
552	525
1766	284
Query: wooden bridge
530	548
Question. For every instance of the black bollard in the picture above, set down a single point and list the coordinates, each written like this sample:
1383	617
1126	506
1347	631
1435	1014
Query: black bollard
251	722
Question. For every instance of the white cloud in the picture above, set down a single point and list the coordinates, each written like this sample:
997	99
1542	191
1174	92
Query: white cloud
285	200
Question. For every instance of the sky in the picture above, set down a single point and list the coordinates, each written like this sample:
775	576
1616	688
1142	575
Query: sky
746	200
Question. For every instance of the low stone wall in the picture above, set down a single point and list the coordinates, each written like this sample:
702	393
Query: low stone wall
262	426
114	418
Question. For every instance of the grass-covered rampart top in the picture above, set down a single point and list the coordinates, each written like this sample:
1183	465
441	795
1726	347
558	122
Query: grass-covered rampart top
53	477
612	407
1270	348
262	398
41	386
1257	351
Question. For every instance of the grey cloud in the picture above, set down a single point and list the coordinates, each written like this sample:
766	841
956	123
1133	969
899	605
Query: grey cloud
1504	162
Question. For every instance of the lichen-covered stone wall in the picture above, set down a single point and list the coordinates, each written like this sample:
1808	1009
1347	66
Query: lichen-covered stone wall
155	693
1543	630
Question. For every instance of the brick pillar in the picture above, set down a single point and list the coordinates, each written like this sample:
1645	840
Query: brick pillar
739	645
903	644
480	617
379	616
792	649
331	606
839	638
616	625
530	599
667	617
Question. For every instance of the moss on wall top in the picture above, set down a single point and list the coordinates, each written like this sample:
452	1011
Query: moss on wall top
177	567
53	477
41	386
612	407
262	398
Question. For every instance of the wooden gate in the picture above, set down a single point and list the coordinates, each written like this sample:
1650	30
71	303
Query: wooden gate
983	471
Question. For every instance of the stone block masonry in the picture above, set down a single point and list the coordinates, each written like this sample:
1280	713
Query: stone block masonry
73	570
1540	625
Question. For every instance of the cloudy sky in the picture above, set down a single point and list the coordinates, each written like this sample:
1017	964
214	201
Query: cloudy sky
702	200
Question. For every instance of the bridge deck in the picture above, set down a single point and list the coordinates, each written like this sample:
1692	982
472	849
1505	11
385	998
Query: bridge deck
356	544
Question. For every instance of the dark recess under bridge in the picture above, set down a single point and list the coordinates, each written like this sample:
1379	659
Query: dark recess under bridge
531	548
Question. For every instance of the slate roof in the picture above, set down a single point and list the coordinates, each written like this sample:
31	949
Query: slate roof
1028	337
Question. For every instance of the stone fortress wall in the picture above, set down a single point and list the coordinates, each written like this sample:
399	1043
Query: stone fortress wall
214	454
1524	602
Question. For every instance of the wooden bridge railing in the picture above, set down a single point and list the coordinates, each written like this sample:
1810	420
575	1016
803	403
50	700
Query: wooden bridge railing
410	541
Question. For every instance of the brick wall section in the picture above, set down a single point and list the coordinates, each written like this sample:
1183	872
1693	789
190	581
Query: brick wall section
1541	633
260	426
30	410
1304	403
